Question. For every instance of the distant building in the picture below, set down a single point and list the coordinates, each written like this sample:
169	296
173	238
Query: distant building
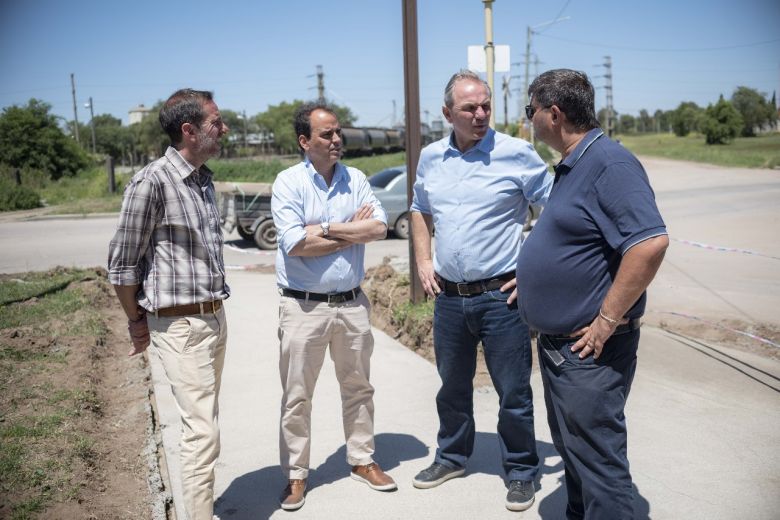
138	113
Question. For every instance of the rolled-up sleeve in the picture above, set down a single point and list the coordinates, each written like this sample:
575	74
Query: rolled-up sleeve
537	181
133	235
287	212
366	196
420	202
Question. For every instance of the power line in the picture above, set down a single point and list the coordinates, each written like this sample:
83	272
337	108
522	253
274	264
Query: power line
556	16
643	49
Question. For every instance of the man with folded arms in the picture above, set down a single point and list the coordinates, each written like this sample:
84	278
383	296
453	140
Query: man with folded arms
324	213
474	187
165	262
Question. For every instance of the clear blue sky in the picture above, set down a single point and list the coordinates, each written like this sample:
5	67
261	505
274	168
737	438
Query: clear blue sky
256	53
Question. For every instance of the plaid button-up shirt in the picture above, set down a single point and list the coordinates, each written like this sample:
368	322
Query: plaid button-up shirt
168	239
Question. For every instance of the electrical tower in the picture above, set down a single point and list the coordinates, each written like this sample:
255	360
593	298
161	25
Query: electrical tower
608	87
320	85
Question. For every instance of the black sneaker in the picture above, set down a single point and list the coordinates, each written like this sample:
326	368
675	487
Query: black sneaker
520	495
436	474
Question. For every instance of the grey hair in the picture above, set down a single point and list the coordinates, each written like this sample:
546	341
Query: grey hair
462	74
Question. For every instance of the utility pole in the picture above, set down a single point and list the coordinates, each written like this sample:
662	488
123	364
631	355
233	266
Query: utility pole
75	109
92	123
608	88
243	113
394	116
490	56
320	85
413	138
505	88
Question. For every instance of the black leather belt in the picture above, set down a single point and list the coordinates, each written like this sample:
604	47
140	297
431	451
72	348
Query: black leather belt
340	297
475	288
623	328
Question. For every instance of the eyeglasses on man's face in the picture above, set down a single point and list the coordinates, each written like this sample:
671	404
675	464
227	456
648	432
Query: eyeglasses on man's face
530	111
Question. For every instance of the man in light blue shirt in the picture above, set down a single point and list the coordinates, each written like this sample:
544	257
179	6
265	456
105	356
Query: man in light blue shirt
474	187
324	213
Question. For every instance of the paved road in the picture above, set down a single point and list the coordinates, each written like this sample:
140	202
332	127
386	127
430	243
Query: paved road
703	418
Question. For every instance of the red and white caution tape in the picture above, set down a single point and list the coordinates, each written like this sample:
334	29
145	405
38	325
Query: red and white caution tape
722	248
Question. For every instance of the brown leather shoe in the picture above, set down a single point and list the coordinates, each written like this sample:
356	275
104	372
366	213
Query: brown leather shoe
293	495
373	475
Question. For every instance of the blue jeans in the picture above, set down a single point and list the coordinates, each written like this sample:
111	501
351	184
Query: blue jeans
585	401
459	324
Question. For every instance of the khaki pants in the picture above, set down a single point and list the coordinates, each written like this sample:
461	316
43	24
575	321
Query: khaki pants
306	329
192	351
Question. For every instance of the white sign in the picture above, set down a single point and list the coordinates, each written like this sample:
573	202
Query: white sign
478	62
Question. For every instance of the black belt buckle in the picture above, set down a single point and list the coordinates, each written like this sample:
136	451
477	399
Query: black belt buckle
337	298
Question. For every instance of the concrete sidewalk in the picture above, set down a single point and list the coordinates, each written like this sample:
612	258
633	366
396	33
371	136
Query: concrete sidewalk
703	432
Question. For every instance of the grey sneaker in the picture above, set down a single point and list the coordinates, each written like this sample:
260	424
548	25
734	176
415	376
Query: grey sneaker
520	495
436	474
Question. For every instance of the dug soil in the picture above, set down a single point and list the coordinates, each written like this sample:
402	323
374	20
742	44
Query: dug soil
106	475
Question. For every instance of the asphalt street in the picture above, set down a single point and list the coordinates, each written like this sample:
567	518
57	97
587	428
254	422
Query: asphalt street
703	417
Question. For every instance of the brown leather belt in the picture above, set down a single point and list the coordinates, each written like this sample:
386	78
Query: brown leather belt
477	287
191	309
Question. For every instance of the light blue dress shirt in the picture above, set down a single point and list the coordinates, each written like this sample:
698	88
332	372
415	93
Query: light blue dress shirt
302	197
479	201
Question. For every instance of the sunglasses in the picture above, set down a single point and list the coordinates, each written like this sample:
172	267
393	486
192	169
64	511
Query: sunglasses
530	111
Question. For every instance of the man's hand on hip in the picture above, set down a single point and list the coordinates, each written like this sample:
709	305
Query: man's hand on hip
428	278
511	284
594	336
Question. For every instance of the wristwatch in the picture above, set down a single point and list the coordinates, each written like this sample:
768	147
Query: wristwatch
325	228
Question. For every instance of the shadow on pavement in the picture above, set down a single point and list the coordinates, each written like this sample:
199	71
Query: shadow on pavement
255	495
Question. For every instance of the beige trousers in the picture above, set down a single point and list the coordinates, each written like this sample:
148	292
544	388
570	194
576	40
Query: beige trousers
306	330
192	351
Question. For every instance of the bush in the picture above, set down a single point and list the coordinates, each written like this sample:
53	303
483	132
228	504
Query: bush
13	197
721	122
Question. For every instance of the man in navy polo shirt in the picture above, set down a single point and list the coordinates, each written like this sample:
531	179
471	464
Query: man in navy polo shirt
581	280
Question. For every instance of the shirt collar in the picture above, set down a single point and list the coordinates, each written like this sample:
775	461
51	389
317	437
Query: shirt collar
339	174
484	145
182	166
589	138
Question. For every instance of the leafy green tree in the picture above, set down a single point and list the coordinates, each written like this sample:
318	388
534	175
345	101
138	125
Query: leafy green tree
756	111
31	139
149	139
279	120
721	122
685	118
645	122
626	124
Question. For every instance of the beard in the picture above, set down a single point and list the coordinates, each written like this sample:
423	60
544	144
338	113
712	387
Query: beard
208	146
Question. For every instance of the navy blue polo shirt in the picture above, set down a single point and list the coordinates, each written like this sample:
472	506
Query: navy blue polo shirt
600	206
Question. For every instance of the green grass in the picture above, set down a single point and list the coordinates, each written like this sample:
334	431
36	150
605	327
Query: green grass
751	152
374	163
40	440
53	302
413	313
248	170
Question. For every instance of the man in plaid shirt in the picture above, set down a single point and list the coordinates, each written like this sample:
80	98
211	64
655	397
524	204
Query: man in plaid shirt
165	262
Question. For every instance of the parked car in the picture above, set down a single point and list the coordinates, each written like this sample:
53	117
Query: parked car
390	188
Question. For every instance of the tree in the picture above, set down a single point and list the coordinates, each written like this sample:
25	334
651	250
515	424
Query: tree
685	118
279	120
756	111
721	122
31	139
645	122
627	124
